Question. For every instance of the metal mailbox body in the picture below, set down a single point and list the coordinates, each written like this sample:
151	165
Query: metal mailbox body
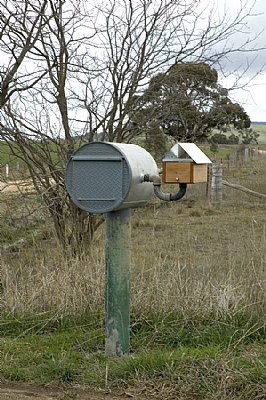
102	177
185	163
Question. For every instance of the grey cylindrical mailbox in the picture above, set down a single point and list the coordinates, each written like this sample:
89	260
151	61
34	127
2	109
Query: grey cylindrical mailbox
103	177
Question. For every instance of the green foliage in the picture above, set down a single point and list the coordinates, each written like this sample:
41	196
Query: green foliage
233	139
221	138
187	102
155	143
247	136
226	112
214	147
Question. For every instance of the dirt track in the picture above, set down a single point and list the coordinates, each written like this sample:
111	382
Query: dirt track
21	391
15	186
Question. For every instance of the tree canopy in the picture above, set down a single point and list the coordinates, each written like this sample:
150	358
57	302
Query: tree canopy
187	102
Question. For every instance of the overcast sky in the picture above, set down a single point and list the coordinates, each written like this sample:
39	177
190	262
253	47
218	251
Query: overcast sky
253	97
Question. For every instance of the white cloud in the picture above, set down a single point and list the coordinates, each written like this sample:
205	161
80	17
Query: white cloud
252	96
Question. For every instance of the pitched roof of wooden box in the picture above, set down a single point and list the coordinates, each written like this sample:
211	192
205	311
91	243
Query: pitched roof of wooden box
185	151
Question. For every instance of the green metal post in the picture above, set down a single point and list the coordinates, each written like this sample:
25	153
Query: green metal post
117	296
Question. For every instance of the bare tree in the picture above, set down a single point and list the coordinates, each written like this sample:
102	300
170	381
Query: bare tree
71	72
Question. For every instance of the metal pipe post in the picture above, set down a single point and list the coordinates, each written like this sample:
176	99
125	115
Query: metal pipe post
117	295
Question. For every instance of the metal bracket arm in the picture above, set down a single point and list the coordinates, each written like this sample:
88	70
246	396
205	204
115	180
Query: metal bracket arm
165	196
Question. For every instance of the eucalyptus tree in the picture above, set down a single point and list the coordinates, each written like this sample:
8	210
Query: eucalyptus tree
70	73
186	102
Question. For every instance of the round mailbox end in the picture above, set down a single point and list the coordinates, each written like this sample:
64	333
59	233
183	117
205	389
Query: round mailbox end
98	177
102	177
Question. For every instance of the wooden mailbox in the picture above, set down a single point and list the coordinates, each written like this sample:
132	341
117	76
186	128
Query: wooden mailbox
185	163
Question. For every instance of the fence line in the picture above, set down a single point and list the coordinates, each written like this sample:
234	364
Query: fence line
217	182
244	189
7	171
241	155
236	159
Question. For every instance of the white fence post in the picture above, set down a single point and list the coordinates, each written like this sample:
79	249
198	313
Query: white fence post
7	171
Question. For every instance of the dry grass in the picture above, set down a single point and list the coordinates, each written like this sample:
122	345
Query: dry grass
186	256
37	283
205	262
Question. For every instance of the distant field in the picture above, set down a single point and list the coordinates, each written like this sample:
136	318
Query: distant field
261	129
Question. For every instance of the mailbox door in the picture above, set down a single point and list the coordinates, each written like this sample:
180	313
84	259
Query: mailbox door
177	172
102	177
97	184
184	172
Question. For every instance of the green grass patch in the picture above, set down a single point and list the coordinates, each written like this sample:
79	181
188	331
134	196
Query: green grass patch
48	349
210	357
195	331
6	156
222	151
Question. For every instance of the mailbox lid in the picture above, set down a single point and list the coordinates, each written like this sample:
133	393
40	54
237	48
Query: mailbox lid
98	177
186	152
